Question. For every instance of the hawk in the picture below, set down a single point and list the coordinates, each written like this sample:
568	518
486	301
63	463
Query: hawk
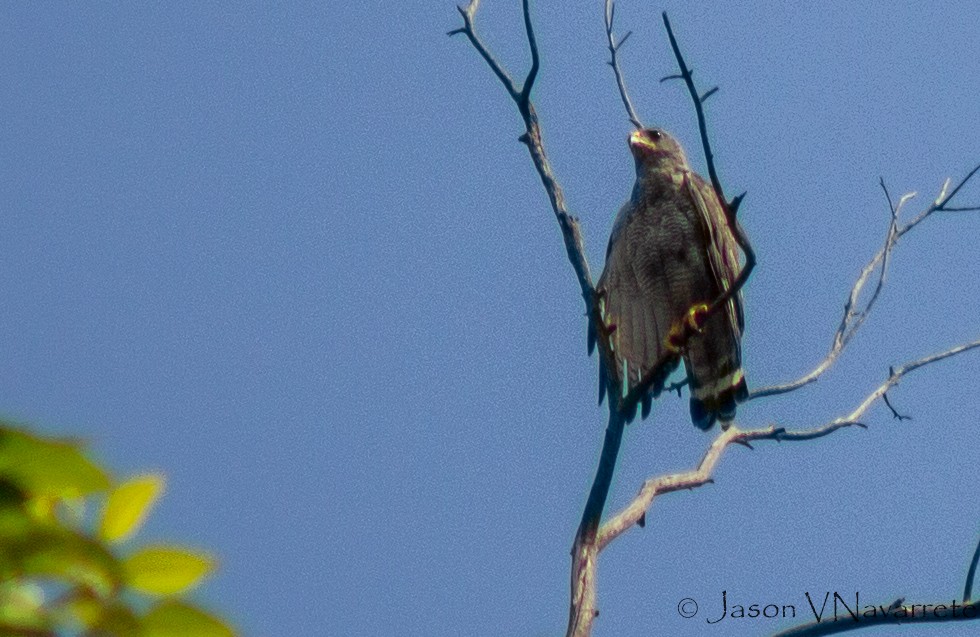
670	254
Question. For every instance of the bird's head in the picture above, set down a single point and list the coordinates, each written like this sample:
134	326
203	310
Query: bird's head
653	148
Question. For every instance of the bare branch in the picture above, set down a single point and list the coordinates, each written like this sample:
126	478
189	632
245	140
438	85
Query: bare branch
853	319
582	608
614	62
468	13
895	414
687	75
730	206
970	575
570	227
535	58
585	551
891	614
654	487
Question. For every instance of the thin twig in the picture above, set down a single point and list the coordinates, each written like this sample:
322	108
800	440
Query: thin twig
654	487
971	575
895	414
853	319
686	74
468	12
614	47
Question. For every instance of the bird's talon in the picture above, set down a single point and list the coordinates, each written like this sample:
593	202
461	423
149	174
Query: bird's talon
697	316
675	339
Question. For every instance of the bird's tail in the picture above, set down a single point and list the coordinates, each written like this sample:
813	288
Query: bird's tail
717	400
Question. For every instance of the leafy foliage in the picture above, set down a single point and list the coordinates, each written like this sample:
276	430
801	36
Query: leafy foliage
64	569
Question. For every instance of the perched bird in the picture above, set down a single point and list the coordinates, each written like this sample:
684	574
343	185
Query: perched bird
670	254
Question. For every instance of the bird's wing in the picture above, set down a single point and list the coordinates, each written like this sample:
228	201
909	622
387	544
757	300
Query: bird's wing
638	316
723	251
714	357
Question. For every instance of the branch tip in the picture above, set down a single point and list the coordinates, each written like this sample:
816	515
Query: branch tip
614	46
623	41
708	94
895	414
970	575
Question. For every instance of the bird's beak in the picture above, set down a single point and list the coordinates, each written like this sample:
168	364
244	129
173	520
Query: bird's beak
639	140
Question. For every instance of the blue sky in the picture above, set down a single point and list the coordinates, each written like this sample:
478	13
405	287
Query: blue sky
295	258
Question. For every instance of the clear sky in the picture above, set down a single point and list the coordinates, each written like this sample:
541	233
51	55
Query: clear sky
295	258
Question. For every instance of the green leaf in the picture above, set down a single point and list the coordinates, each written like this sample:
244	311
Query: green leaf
165	570
50	552
177	619
47	467
128	506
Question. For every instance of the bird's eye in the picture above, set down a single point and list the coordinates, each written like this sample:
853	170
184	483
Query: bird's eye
655	134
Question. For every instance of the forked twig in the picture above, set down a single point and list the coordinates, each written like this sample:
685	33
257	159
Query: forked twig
853	318
614	46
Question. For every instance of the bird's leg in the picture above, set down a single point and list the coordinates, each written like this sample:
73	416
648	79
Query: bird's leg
692	323
606	326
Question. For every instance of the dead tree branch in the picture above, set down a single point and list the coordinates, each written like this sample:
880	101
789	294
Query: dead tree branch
687	74
971	574
730	205
637	508
590	537
582	608
854	316
570	228
898	612
614	47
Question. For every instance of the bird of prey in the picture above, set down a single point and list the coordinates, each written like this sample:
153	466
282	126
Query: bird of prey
670	254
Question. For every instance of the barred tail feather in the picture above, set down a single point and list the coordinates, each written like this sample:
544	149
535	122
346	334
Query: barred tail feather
718	401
